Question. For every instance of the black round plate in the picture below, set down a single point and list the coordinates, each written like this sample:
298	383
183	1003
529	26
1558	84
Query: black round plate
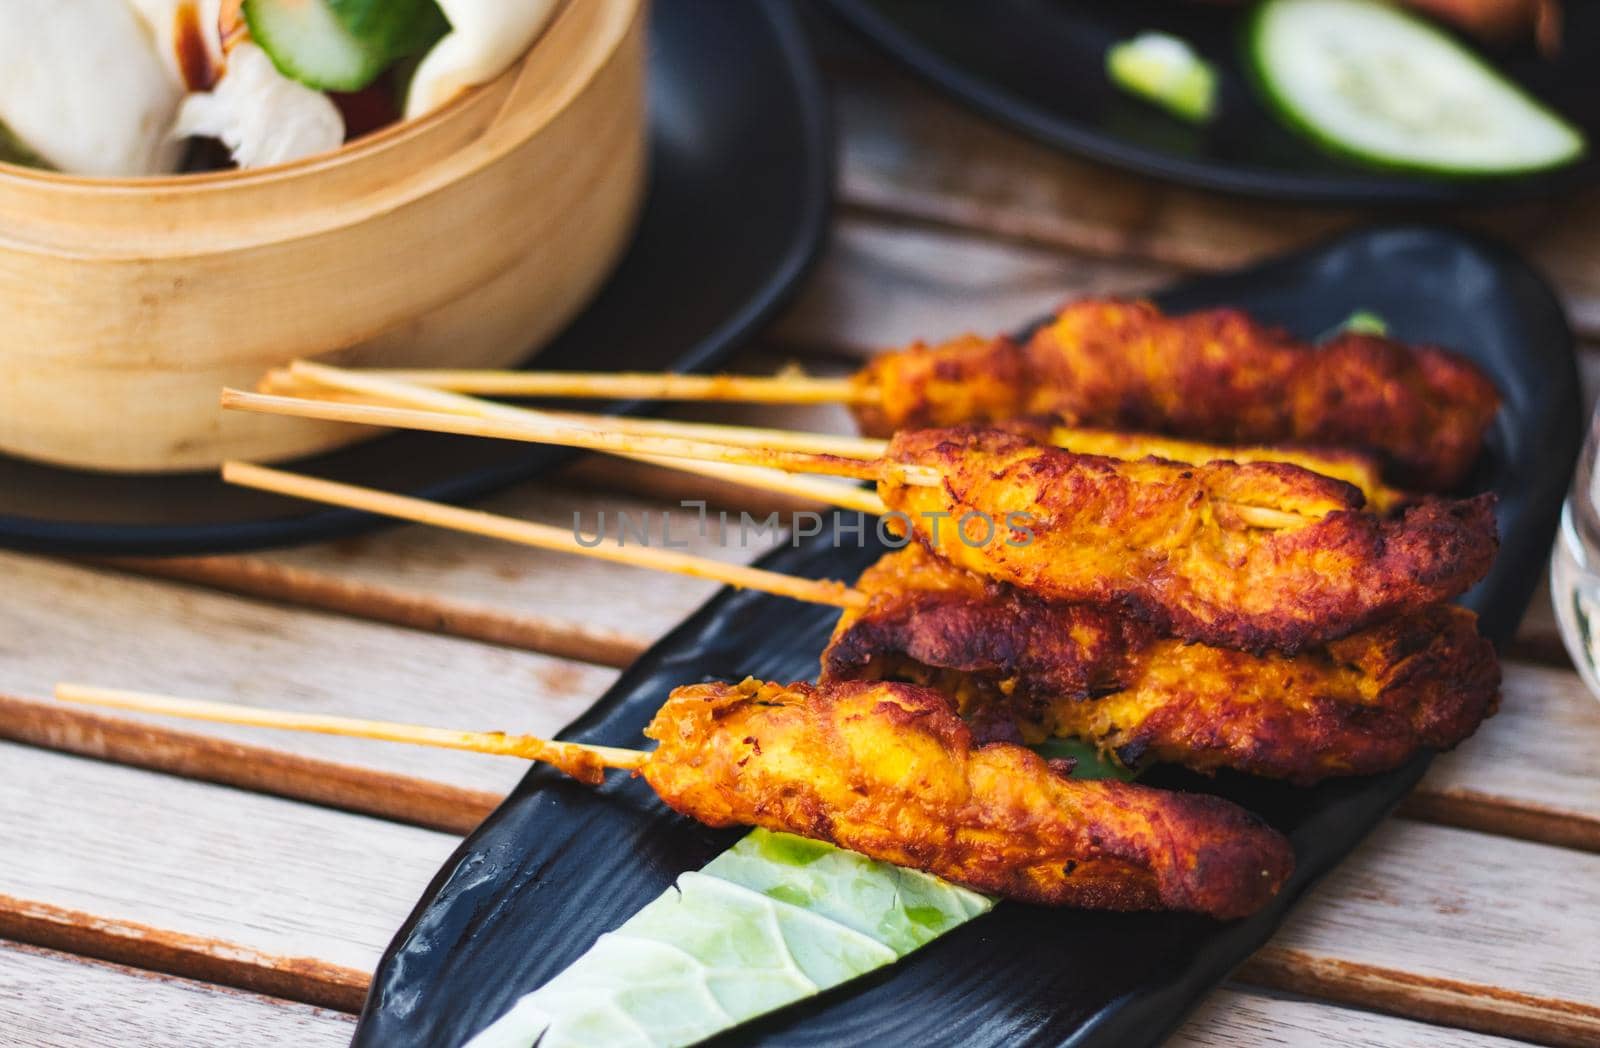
558	863
741	169
1040	65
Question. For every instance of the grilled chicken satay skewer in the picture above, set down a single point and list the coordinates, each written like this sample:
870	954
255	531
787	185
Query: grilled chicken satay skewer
887	770
1170	540
1124	365
540	429
1020	667
1255	556
305	378
1023	668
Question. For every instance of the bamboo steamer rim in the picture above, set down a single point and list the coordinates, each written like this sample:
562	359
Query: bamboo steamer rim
511	121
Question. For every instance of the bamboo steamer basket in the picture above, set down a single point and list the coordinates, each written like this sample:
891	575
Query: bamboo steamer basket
464	239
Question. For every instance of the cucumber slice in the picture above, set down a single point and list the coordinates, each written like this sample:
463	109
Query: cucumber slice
398	28
1365	322
1361	322
1165	70
306	41
1374	84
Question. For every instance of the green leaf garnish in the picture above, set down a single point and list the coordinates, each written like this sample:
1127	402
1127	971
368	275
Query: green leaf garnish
771	921
1091	764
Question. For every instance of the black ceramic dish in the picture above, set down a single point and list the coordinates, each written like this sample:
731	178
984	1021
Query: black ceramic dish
741	169
557	864
1040	65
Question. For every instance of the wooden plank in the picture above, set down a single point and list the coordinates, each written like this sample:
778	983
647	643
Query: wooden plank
64	621
1454	927
52	999
194	755
1532	771
1232	1018
909	152
882	284
432	579
213	884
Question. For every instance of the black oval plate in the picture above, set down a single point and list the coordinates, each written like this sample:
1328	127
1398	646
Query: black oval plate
1040	65
740	187
557	863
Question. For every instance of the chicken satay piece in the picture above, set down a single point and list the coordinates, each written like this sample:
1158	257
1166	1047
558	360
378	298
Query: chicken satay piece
1024	669
1005	657
890	770
1213	376
1184	546
1363	704
1356	468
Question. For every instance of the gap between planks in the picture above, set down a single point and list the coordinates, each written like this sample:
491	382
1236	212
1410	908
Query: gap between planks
422	802
305	979
50	998
1447	1002
260	577
209	884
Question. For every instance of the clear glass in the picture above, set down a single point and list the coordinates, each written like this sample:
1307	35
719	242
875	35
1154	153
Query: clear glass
1575	564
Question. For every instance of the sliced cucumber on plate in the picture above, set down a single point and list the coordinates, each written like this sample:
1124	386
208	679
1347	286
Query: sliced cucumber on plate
341	45
1375	84
1165	70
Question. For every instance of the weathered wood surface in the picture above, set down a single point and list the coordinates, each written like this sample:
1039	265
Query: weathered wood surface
432	579
58	1000
1533	771
211	883
1454	927
92	626
883	285
1231	1017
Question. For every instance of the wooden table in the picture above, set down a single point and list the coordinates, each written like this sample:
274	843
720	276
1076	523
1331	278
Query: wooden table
163	884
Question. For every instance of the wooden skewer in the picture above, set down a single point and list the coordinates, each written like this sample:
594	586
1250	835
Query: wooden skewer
1268	518
528	429
541	536
578	437
340	382
844	496
288	380
565	755
758	478
636	385
378	385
